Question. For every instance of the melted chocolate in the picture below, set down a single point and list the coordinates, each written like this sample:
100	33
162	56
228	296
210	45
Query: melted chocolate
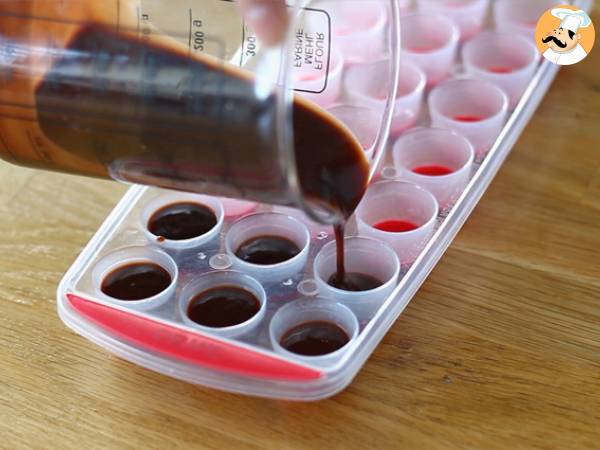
354	282
136	281
223	306
314	338
267	250
180	221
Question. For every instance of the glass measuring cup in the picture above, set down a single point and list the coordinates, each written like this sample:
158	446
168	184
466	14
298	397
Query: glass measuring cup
181	95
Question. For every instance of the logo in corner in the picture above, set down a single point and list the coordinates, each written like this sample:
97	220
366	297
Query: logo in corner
565	35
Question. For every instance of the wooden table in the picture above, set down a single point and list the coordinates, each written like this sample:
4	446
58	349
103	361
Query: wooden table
499	349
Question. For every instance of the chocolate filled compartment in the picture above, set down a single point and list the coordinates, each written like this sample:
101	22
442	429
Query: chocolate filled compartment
181	221
269	246
371	274
227	303
318	330
135	277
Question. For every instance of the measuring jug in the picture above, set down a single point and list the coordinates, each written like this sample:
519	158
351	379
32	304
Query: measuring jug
181	94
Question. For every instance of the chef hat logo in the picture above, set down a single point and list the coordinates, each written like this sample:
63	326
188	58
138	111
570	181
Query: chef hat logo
572	20
565	35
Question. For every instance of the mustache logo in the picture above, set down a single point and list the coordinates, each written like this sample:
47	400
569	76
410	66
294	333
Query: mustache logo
555	40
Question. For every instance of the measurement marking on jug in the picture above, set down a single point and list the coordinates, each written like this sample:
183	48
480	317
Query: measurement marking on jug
137	27
8	57
3	143
118	15
145	27
312	51
5	148
249	45
196	33
16	105
37	144
190	29
243	40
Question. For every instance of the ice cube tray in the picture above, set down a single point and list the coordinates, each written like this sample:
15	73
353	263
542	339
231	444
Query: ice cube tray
157	336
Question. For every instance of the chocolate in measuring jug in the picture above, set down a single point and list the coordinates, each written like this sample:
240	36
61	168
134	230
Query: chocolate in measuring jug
98	88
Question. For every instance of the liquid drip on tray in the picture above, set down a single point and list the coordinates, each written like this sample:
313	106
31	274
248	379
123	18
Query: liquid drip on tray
136	281
267	250
180	221
314	338
223	306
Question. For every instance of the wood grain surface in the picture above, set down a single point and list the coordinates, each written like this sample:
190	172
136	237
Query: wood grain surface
500	349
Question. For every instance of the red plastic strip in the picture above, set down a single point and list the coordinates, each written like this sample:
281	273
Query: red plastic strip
194	348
